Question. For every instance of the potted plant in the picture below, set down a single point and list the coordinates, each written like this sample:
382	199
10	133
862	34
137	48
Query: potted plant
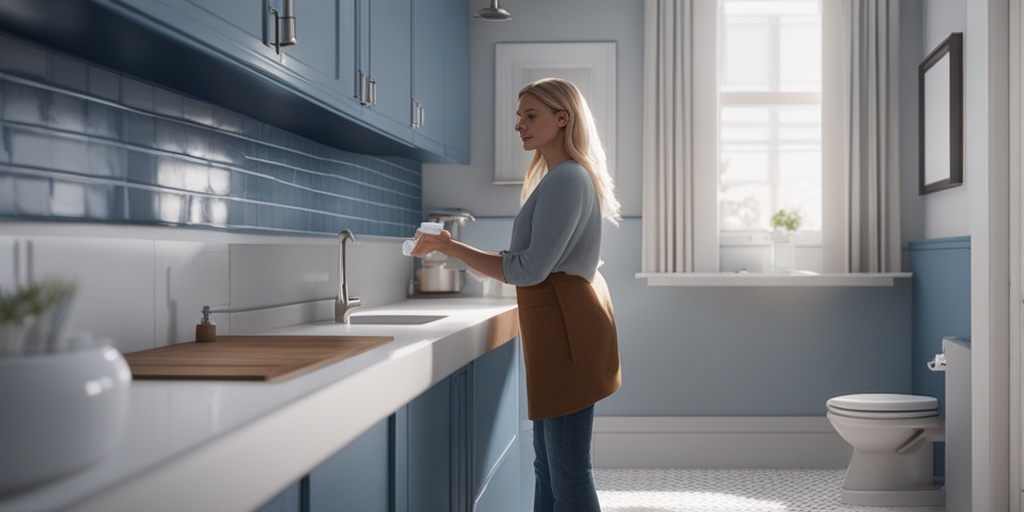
32	318
68	395
784	223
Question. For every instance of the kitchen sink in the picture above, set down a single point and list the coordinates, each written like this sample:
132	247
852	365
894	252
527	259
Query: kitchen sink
394	319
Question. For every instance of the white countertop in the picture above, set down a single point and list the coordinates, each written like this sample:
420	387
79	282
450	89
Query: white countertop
223	445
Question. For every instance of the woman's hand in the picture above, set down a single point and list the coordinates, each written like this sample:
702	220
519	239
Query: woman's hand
426	243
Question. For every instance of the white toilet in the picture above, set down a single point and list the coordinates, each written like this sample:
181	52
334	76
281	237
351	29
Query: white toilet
892	437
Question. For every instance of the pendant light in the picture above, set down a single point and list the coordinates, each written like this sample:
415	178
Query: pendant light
493	13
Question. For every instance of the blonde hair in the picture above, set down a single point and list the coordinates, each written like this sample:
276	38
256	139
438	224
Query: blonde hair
582	142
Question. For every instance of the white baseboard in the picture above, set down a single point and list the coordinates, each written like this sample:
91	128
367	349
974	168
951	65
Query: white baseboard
718	442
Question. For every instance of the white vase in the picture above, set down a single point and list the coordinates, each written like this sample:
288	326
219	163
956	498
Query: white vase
12	336
61	412
782	253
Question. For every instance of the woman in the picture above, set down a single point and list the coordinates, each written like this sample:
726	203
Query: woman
565	312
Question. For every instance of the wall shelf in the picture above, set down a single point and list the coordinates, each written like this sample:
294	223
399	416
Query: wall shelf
752	279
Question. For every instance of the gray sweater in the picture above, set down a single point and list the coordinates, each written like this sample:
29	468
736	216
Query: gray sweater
557	230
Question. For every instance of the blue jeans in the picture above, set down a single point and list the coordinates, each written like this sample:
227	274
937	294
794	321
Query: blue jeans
563	467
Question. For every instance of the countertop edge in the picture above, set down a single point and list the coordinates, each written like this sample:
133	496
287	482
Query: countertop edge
226	473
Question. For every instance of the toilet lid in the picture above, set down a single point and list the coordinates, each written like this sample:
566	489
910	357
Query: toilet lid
884	403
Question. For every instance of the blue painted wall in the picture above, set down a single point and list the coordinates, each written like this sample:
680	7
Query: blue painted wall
80	142
942	304
942	307
740	351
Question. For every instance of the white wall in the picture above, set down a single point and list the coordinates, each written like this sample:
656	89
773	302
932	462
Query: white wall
980	208
946	213
143	287
469	186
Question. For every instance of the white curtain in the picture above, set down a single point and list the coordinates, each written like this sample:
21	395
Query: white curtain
677	81
860	180
861	123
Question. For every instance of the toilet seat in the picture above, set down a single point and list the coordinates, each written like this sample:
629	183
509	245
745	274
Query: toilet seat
884	406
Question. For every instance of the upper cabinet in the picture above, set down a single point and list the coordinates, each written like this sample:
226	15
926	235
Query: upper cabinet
364	75
441	77
428	73
456	81
384	63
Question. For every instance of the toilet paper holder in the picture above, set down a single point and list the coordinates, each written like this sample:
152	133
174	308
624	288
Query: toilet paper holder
938	364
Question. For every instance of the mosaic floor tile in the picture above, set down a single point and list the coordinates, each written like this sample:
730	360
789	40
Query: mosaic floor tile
727	490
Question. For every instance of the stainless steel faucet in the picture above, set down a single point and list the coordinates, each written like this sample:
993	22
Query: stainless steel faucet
344	305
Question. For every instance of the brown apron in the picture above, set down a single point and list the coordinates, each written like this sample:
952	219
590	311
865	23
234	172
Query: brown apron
569	344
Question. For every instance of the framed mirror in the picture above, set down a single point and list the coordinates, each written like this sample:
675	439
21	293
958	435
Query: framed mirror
940	113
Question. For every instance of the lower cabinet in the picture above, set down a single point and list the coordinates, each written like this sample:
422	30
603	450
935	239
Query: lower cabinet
357	478
495	461
454	448
434	432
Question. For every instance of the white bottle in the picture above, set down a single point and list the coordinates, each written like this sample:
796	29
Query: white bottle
430	228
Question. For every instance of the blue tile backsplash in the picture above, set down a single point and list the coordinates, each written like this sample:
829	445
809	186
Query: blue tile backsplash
80	142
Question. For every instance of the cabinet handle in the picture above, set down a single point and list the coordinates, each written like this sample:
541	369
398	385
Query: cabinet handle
417	114
423	115
373	92
361	95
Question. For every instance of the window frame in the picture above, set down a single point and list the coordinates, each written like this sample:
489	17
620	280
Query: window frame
707	157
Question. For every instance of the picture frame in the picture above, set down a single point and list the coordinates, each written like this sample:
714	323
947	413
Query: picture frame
589	65
940	116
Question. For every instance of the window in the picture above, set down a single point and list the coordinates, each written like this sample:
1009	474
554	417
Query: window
769	118
757	106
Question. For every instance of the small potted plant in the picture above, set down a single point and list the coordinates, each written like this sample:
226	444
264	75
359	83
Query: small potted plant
784	223
32	318
68	395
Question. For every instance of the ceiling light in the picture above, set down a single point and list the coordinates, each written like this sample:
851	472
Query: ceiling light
493	13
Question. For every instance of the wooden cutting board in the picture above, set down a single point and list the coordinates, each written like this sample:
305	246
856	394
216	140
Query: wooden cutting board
258	358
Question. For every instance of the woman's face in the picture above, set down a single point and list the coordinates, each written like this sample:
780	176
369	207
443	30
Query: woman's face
538	126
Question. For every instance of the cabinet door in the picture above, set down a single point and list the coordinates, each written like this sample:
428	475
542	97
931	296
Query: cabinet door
315	52
390	39
290	500
462	440
428	72
429	450
349	34
456	85
323	52
496	483
357	478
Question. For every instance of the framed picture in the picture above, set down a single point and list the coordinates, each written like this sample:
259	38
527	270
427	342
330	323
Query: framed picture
591	66
941	111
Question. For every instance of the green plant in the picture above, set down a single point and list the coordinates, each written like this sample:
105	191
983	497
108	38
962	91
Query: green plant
34	300
786	220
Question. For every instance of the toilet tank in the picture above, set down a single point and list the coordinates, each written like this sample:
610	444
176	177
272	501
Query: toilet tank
958	424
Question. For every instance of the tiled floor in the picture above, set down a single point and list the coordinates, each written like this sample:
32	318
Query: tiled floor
727	490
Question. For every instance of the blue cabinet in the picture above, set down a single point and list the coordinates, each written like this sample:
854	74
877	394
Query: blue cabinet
456	82
462	442
219	52
440	55
454	448
429	446
357	478
428	60
494	402
290	500
389	64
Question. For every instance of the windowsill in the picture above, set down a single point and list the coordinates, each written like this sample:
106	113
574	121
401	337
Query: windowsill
751	279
